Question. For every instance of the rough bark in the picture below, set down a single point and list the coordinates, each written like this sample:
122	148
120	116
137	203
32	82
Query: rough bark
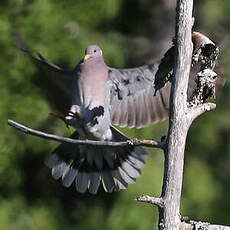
180	118
169	215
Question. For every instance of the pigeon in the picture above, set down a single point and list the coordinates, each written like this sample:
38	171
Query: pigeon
102	96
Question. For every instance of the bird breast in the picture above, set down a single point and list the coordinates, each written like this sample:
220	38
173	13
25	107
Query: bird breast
93	95
93	85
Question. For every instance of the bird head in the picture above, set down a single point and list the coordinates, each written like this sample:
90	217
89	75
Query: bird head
92	52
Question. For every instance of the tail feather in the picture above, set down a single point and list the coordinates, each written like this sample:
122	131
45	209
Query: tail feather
90	166
95	178
108	181
69	175
98	160
119	181
130	170
110	159
126	177
53	161
139	154
58	170
82	181
136	162
89	156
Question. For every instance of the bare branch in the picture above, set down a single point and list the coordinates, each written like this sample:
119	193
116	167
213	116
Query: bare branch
194	112
148	143
150	200
134	142
198	225
215	227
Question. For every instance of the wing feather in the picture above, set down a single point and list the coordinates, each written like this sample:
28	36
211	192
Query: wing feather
56	81
133	100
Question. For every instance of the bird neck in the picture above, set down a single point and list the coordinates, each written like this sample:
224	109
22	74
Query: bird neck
94	61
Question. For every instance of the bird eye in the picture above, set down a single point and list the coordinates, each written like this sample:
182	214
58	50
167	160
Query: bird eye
94	51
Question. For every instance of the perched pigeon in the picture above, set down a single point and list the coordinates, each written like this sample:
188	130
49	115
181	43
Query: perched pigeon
102	95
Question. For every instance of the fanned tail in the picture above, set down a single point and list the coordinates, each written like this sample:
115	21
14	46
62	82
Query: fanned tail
89	166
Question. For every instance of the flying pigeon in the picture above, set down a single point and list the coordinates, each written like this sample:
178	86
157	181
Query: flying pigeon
102	95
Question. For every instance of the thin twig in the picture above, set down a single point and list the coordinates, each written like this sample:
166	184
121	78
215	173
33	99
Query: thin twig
131	142
150	200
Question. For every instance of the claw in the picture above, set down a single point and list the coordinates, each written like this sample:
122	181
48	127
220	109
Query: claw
74	115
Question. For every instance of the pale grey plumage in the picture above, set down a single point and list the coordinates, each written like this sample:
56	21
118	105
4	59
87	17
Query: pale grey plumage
132	91
90	166
102	95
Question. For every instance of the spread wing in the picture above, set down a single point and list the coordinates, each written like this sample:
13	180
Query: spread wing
140	96
133	101
55	80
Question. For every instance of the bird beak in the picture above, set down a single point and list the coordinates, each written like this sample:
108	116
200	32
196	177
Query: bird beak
87	56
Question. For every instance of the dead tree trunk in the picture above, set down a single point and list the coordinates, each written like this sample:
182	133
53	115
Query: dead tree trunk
181	116
179	122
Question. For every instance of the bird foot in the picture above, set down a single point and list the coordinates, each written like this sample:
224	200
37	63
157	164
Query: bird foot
75	115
